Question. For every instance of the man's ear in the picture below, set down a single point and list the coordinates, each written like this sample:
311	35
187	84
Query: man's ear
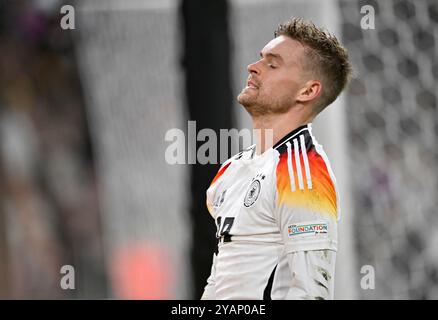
310	91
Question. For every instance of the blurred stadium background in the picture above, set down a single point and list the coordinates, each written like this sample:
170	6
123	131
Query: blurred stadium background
84	113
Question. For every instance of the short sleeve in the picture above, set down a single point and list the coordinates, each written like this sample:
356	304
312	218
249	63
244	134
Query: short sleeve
306	201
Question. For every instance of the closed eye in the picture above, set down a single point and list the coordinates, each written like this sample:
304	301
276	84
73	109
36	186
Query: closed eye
271	57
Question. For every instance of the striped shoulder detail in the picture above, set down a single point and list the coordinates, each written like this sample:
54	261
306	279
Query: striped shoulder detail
303	177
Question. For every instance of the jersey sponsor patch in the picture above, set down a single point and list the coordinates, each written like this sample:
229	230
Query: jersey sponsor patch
307	228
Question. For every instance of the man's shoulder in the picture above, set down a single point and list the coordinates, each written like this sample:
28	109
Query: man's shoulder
302	162
246	153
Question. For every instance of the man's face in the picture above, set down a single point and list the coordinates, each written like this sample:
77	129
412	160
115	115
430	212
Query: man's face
275	79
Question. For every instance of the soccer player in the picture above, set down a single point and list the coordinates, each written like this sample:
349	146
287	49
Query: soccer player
276	206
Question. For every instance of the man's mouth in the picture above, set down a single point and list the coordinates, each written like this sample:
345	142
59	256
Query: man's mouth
251	85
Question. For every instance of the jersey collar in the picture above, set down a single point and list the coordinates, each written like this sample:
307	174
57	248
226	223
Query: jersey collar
291	134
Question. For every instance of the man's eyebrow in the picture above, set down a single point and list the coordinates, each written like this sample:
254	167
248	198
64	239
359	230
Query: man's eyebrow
272	55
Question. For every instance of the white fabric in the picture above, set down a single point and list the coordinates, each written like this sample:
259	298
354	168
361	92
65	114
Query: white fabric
267	234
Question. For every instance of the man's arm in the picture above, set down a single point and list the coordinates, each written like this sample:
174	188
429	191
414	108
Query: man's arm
312	274
306	211
310	247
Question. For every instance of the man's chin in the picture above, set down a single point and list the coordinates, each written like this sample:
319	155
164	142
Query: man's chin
245	99
250	105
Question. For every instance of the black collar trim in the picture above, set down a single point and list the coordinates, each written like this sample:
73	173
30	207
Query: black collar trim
290	135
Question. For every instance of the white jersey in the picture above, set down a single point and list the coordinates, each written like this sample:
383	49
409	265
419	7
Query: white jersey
276	216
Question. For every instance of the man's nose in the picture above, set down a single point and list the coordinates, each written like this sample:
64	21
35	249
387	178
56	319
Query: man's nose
253	68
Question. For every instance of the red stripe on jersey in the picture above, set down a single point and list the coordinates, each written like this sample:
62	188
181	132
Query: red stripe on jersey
220	172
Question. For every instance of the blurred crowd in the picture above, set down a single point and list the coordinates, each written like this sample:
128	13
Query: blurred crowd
49	212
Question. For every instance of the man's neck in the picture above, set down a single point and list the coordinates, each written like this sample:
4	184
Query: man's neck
269	129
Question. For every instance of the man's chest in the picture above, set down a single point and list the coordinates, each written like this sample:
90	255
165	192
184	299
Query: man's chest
243	201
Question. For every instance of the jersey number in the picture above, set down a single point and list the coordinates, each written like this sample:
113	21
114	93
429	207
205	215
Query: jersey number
223	229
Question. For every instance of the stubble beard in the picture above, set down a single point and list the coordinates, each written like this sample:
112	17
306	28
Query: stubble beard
257	106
